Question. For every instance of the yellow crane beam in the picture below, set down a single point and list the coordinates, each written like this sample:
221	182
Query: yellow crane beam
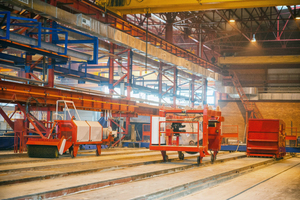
160	6
259	60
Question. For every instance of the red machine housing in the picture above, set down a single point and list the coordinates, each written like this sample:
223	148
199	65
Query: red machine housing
68	130
69	134
266	137
211	128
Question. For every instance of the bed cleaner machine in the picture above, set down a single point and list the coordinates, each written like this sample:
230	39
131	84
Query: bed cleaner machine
68	135
190	131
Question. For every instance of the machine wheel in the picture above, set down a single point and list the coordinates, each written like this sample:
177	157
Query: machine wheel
180	155
212	158
199	160
56	154
166	158
97	153
71	152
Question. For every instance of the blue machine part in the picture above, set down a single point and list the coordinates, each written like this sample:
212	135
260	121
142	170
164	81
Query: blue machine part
243	148
103	122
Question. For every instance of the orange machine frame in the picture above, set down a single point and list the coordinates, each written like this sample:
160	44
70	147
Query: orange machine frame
211	135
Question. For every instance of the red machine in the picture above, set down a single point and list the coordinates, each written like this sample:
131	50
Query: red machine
266	137
192	131
69	135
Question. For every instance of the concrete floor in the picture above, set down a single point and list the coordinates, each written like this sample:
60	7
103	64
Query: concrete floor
277	181
141	174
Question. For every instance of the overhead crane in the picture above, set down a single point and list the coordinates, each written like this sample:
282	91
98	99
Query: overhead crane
156	6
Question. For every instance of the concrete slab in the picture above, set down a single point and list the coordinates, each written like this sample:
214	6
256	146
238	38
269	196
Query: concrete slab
17	190
52	171
84	153
51	162
156	184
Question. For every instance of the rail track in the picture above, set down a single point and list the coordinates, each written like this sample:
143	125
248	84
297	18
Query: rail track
26	178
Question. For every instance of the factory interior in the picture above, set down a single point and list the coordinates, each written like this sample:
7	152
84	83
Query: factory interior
148	99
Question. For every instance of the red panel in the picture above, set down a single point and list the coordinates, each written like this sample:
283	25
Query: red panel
266	137
264	125
263	136
18	125
39	141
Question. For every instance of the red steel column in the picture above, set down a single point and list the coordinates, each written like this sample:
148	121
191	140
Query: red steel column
193	91
127	124
129	73
204	91
169	28
175	87
160	83
111	70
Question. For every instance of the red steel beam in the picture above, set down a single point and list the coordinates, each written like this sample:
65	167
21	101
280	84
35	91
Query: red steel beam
118	125
48	96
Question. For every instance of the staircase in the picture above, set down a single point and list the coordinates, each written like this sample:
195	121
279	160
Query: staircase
249	106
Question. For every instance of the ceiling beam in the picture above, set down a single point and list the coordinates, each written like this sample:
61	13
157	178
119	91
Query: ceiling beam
251	60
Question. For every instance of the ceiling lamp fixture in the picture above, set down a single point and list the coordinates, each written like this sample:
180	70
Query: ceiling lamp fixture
298	17
253	38
231	20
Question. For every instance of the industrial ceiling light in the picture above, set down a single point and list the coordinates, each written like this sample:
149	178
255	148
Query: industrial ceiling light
231	20
11	29
298	17
253	38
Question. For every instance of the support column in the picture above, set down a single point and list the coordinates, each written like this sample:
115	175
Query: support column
111	70
50	73
121	130
175	87
129	73
127	125
169	28
27	66
200	44
49	118
160	83
193	92
204	91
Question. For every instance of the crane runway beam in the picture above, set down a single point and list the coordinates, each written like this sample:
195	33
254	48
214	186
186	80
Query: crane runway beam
18	92
259	60
157	6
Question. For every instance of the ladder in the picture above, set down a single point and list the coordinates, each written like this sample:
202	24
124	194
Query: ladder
250	107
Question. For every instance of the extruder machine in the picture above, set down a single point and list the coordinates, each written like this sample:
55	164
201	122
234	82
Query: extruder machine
190	131
68	135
